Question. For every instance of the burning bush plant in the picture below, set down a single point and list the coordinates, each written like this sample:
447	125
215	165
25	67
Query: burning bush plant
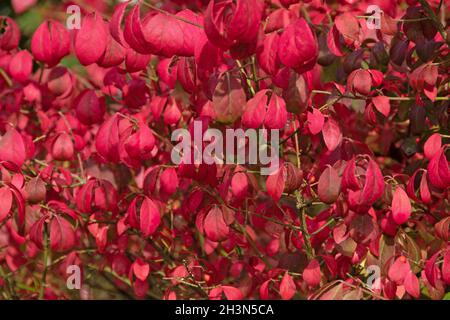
92	204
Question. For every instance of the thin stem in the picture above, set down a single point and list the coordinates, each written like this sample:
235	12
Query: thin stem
290	136
45	261
322	92
244	73
255	74
297	147
198	287
41	74
331	221
306	236
6	77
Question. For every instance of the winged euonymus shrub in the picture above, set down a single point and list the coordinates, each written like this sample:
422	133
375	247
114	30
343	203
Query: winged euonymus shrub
357	209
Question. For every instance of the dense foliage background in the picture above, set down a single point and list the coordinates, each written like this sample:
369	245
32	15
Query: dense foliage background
359	208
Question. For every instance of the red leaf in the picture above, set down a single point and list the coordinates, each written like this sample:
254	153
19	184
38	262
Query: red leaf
255	110
140	144
114	53
399	270
232	293
315	121
264	290
275	183
50	42
348	26
276	113
62	234
21	66
382	104
359	82
10	36
141	269
329	185
140	288
401	206
431	269
298	46
312	274
446	267
149	216
216	229
442	229
6	202
12	147
424	189
438	170
267	54
332	134
374	186
228	99
133	32
287	287
412	285
62	147
333	41
172	113
230	21
239	185
169	181
432	145
84	197
35	191
107	140
90	46
20	6
116	21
